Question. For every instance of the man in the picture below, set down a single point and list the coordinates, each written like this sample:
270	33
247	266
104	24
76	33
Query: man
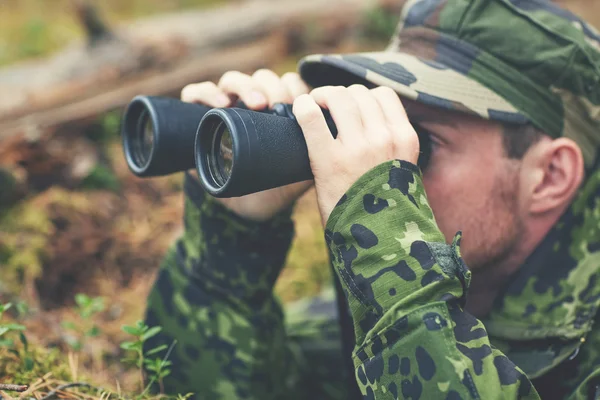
508	93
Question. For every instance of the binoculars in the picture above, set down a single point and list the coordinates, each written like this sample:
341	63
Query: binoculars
236	151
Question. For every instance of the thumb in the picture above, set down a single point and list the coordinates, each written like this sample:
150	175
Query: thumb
317	135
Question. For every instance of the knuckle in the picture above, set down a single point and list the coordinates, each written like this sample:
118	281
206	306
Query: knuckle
386	93
195	90
385	90
229	76
263	73
358	88
302	107
187	91
406	141
290	76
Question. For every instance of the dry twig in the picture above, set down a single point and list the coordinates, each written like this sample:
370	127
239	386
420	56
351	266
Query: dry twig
55	392
13	388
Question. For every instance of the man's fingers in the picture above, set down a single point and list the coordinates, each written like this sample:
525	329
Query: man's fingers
312	121
400	127
205	93
344	111
373	119
391	105
294	84
240	85
272	86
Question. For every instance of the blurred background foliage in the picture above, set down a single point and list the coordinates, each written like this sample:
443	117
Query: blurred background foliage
32	28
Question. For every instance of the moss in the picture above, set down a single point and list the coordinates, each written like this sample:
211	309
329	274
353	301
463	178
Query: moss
27	367
24	233
101	177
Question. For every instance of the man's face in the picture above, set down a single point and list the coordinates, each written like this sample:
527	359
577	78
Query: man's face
472	186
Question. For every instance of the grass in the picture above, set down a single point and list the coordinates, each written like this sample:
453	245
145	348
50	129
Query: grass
35	28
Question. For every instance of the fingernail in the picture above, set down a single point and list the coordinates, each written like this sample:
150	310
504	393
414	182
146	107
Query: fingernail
223	100
258	98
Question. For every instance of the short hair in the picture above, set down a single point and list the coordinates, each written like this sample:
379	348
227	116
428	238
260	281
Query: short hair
518	138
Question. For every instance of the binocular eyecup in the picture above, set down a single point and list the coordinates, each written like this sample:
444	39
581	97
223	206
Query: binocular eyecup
158	135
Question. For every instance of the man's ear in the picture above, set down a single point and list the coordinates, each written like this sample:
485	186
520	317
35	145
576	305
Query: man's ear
555	170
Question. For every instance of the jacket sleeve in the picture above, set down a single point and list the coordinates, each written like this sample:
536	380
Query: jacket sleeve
214	300
406	290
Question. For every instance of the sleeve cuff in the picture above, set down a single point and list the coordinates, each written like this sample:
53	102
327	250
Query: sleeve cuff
235	257
387	249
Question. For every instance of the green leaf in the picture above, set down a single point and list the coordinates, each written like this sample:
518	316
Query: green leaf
151	332
22	308
15	327
74	343
128	346
97	304
23	340
164	373
128	360
3	330
95	331
131	330
69	325
82	299
4	307
156	350
29	364
152	367
6	343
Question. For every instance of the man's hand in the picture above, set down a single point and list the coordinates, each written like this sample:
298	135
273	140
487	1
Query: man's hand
263	89
372	128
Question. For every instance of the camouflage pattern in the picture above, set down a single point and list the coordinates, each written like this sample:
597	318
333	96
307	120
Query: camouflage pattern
405	286
214	296
406	289
508	60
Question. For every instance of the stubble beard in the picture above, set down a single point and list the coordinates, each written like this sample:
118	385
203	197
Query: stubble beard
499	227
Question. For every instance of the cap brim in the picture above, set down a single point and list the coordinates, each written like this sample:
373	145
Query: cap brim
425	81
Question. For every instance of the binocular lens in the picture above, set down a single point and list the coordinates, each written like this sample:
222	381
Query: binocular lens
220	158
143	140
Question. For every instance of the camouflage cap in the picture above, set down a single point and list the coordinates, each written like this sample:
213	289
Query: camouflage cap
513	61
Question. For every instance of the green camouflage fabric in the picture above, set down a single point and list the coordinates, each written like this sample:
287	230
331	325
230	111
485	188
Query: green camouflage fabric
508	60
404	285
214	298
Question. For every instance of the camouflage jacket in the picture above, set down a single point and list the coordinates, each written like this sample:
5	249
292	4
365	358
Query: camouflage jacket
405	288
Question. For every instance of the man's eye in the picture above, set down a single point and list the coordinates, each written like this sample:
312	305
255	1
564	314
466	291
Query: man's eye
427	145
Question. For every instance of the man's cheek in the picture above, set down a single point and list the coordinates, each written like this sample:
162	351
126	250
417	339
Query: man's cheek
444	212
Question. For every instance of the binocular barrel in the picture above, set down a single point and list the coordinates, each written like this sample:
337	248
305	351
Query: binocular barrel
240	151
158	135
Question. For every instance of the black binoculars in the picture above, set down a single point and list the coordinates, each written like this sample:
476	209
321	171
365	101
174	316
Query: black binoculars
236	151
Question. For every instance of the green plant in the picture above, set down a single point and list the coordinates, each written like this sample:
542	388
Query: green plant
10	329
157	368
86	308
101	177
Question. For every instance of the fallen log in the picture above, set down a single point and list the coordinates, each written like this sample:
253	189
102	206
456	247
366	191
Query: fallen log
197	44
